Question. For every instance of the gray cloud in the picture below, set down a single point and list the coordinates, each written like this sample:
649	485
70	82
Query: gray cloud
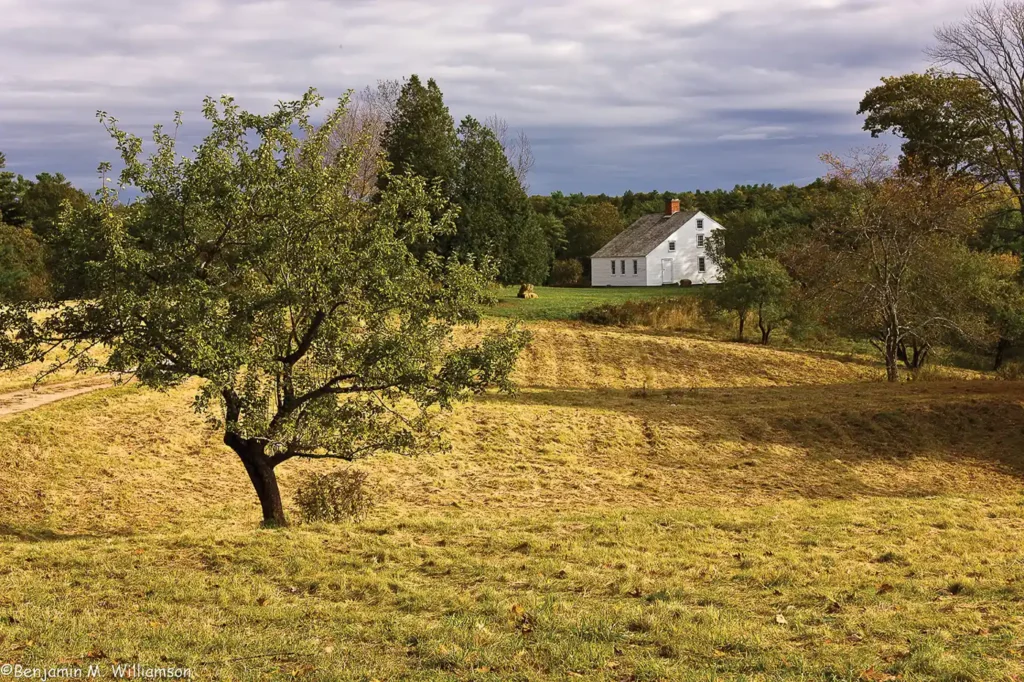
616	95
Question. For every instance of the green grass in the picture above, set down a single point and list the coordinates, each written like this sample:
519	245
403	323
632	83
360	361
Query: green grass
565	303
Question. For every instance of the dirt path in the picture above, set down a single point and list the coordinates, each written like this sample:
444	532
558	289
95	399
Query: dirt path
28	399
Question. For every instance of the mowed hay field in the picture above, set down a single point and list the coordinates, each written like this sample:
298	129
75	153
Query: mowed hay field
648	507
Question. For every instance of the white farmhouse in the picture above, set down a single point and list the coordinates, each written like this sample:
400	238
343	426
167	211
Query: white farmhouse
660	248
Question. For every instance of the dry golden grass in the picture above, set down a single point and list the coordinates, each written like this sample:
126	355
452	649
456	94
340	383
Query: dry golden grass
28	376
574	355
647	507
55	368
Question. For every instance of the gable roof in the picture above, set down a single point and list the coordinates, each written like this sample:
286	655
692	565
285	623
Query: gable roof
640	238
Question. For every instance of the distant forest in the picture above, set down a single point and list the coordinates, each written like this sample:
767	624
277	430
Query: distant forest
756	216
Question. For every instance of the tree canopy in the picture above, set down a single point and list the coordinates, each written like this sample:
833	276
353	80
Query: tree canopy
588	227
947	122
985	49
12	188
23	272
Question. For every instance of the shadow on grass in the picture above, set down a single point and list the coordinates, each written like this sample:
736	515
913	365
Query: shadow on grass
951	421
846	357
35	534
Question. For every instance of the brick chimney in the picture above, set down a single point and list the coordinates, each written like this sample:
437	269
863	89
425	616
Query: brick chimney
671	206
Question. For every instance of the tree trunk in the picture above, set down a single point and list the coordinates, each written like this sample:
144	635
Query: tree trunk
264	480
1000	353
892	370
766	330
914	359
743	321
891	352
891	341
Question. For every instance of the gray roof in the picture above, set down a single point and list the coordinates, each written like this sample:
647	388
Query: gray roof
640	238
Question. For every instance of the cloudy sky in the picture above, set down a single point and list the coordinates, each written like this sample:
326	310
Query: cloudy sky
615	95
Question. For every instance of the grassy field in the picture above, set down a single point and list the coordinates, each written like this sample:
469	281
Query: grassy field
565	303
648	507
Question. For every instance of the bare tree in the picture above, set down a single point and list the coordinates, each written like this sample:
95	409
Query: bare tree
518	149
369	112
988	47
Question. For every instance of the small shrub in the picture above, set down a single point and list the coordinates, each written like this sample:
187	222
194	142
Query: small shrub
685	283
608	315
338	496
929	372
566	273
1011	371
668	313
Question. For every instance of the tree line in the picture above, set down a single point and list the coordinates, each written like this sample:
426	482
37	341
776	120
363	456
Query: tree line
479	167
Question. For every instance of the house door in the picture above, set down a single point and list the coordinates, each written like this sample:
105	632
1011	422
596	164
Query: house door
666	271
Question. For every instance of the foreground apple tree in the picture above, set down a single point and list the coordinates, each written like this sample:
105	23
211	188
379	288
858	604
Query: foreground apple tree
319	321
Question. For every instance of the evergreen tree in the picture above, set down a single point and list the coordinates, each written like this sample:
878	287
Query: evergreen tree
471	168
496	219
12	188
420	138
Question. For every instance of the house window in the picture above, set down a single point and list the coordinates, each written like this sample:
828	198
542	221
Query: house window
700	240
623	264
671	246
634	267
700	223
613	267
700	264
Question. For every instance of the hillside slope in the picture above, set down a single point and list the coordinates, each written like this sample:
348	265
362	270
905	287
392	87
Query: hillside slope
602	417
647	507
572	355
